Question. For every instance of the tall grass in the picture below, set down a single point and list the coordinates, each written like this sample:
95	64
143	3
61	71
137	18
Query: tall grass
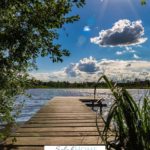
131	121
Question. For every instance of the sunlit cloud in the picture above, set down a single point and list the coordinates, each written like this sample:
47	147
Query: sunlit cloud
40	76
90	69
123	33
120	52
126	50
130	49
86	29
88	65
71	70
135	56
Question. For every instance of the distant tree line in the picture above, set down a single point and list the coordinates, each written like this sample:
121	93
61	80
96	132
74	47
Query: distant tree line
33	83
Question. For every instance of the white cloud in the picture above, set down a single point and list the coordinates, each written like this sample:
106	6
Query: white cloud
120	52
90	69
40	76
127	50
88	65
86	28
136	56
83	69
123	33
71	70
49	76
130	50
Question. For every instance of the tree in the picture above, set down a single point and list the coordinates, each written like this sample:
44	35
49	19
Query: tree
28	29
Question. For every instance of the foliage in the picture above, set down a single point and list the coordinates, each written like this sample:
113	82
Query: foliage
29	28
132	121
66	84
11	86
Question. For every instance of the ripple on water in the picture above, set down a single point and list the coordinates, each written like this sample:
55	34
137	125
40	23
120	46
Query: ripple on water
39	97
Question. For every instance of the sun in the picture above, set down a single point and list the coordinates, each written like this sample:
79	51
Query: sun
117	5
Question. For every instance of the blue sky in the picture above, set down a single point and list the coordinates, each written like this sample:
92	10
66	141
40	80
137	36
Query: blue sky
89	53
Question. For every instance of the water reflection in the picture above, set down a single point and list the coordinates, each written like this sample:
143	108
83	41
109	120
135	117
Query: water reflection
39	97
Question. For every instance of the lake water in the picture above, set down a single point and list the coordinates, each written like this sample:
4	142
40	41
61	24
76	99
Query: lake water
39	97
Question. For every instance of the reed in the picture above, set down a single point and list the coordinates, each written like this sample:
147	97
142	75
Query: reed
131	121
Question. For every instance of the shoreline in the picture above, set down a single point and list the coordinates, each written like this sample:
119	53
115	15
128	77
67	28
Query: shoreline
148	88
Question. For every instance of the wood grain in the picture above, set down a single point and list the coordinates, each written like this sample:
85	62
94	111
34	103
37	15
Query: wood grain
62	121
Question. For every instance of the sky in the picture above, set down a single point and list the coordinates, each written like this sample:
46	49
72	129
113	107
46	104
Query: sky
112	37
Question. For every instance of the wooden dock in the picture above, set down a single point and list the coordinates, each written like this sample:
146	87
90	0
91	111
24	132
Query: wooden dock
62	121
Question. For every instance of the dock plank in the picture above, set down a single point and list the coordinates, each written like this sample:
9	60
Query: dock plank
84	124
56	140
62	121
48	129
56	134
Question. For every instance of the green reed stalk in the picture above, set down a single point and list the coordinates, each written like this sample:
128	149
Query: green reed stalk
132	121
